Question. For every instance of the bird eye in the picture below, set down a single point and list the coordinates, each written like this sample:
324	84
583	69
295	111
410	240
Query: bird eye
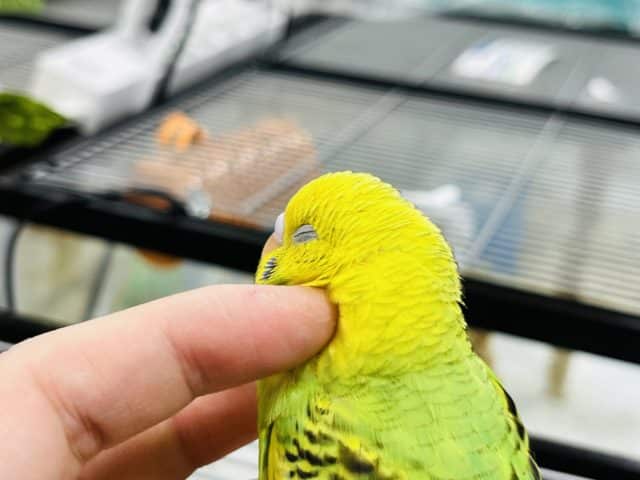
278	229
304	233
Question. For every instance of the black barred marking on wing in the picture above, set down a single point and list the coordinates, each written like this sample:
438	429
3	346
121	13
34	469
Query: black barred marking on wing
318	438
313	459
310	457
330	459
298	449
511	407
534	468
522	435
321	411
310	436
265	452
510	403
312	453
359	465
302	474
354	463
351	461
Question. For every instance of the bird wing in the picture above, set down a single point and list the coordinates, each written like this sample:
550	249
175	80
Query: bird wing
395	436
318	444
524	463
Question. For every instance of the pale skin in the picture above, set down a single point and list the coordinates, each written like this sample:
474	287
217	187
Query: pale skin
155	391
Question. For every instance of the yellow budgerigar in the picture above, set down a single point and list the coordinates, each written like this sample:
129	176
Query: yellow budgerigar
398	393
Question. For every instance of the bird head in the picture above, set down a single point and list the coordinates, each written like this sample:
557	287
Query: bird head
339	221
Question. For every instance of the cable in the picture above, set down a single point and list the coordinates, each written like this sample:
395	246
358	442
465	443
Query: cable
10	253
98	283
160	93
174	208
9	267
159	16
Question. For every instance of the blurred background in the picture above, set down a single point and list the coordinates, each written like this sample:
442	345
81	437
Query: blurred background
146	148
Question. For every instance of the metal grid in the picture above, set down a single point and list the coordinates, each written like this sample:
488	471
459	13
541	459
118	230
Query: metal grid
556	84
554	202
425	143
127	158
615	66
19	45
421	51
596	76
573	229
409	50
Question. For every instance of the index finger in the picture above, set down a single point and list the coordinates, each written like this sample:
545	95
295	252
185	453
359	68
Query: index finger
108	379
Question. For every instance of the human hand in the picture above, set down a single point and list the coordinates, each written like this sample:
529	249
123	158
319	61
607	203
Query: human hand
155	391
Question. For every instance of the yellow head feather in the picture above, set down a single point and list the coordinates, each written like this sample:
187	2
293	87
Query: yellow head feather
357	237
397	393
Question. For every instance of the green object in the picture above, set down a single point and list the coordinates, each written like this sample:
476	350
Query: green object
25	122
19	6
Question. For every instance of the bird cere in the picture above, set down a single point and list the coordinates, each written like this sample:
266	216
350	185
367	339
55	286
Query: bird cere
398	393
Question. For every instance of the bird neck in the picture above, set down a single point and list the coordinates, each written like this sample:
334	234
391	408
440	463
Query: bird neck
392	324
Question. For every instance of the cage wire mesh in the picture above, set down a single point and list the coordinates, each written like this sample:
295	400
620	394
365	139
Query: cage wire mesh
489	60
408	50
533	201
19	46
528	199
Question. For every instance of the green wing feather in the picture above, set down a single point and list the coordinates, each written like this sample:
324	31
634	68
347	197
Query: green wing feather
422	430
25	122
20	6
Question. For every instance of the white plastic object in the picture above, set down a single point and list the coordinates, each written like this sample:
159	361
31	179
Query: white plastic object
603	90
440	197
446	207
511	61
226	31
382	10
278	230
104	77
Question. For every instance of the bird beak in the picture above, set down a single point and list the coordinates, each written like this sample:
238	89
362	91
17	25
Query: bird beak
270	245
